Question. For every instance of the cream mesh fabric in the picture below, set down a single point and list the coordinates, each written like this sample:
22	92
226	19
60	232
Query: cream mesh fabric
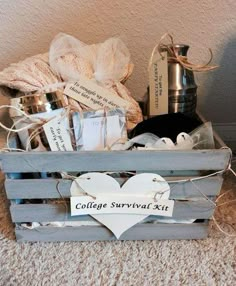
68	58
108	62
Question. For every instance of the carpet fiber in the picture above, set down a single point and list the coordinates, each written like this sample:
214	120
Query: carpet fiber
185	262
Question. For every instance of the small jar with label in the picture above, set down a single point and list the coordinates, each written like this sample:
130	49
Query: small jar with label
36	106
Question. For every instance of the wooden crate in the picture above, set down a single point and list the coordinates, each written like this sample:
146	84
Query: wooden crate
172	165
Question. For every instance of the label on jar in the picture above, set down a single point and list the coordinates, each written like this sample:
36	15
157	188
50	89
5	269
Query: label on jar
158	85
58	134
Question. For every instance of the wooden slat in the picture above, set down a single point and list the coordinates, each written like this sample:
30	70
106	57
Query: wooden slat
96	233
37	188
56	212
50	188
115	160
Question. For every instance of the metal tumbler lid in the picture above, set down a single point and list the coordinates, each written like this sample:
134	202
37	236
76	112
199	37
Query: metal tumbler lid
180	49
38	103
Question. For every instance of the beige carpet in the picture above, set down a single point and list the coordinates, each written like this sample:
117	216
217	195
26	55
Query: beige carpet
195	262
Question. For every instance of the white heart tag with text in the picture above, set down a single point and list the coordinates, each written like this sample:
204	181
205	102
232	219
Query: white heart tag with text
145	185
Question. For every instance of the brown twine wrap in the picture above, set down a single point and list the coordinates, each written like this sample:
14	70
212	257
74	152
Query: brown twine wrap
174	57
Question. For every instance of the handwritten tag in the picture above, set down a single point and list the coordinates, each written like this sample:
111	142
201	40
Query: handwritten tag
99	132
158	85
94	96
112	204
57	133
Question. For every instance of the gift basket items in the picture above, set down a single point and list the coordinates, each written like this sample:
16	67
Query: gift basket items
76	93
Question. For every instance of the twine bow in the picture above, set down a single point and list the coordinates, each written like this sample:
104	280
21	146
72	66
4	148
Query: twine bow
174	57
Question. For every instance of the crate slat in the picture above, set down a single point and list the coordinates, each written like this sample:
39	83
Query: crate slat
98	233
115	160
200	209
47	188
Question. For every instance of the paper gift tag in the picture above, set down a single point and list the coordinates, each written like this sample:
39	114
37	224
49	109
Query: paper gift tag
99	132
143	186
58	135
158	85
88	92
100	129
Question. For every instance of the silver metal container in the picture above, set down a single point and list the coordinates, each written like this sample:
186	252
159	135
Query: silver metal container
182	89
36	105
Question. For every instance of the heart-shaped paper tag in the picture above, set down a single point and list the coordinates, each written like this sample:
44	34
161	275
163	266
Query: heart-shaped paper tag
145	185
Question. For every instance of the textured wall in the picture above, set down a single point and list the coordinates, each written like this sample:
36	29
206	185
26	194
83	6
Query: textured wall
27	27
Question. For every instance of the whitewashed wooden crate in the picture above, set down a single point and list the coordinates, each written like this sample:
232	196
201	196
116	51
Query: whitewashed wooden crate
172	165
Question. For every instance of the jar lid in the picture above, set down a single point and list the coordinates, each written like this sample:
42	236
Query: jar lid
180	49
38	103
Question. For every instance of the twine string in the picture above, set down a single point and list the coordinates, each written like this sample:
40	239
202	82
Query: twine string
34	123
174	57
105	144
26	116
9	133
64	203
222	204
40	121
74	178
34	134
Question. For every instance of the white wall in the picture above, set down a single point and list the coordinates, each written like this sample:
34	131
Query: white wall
28	26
